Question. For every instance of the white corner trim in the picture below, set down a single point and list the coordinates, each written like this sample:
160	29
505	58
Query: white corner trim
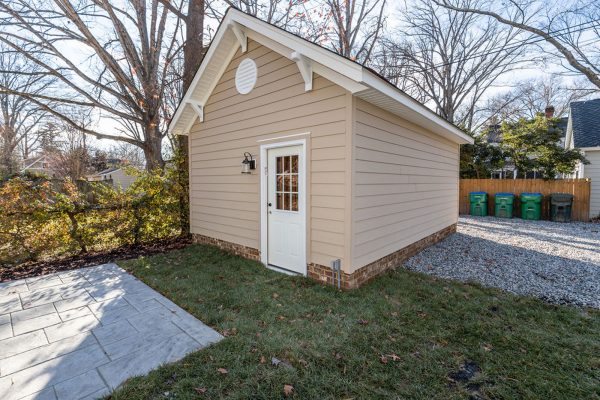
264	177
239	34
198	107
283	137
305	67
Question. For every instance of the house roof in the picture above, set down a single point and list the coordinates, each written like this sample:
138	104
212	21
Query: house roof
107	171
30	162
235	30
585	119
562	125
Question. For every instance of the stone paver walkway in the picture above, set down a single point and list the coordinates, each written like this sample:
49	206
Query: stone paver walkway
80	334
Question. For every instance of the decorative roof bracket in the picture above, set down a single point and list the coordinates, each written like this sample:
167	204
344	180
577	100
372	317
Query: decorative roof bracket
240	34
305	67
198	107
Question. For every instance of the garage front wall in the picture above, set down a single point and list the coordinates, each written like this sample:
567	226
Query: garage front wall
225	204
405	185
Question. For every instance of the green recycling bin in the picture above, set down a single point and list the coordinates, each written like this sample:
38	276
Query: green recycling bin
504	205
531	206
478	203
560	207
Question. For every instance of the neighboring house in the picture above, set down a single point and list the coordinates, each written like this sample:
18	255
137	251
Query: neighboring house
40	165
583	132
348	167
116	175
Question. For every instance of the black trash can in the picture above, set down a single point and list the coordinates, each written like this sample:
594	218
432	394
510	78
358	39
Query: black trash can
560	207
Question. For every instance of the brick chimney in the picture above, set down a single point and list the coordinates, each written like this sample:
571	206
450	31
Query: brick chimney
549	112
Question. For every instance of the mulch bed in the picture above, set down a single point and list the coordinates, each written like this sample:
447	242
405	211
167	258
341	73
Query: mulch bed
26	270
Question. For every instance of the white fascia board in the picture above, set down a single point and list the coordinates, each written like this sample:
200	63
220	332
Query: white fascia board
307	49
380	85
569	134
211	50
595	148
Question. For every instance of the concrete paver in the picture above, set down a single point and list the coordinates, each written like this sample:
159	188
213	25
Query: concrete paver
80	334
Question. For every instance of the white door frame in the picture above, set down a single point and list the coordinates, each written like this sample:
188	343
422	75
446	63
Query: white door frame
264	255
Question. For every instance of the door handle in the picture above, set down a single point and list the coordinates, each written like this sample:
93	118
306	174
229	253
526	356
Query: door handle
269	204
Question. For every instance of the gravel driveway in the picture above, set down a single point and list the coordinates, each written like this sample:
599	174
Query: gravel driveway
559	263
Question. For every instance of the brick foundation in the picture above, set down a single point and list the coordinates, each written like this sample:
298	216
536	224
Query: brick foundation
323	274
233	248
369	271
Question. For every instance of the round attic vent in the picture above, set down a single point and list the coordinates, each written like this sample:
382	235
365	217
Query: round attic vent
245	76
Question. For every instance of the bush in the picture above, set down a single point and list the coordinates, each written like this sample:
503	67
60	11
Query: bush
43	219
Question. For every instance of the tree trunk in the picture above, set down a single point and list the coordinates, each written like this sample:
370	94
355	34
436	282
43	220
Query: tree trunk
193	50
193	53
153	147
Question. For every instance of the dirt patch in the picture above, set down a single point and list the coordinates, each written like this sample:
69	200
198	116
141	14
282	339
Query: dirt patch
8	273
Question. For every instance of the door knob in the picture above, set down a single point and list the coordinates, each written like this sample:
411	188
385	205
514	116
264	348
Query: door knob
270	204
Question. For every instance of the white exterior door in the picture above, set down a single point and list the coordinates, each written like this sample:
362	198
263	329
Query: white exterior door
285	209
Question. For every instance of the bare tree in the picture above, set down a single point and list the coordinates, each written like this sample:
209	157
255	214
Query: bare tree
528	98
19	118
450	59
67	151
354	27
572	28
108	57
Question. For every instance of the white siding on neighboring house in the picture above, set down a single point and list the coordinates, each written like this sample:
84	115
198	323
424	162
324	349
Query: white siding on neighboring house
592	171
405	184
121	179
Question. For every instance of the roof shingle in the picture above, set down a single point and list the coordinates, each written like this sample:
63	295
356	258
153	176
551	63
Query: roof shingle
586	123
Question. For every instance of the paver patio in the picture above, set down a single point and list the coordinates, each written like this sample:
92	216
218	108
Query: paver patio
80	334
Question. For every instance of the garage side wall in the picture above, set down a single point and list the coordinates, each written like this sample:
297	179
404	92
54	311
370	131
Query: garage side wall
592	171
405	189
224	204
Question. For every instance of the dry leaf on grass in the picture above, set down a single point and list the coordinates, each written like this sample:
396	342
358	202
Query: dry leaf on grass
288	390
223	371
200	390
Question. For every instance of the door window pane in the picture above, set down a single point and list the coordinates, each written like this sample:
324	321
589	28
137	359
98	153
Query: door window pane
286	177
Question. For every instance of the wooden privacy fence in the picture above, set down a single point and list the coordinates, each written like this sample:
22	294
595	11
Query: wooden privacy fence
579	188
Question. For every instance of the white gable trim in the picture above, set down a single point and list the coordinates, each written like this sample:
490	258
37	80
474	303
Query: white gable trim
237	27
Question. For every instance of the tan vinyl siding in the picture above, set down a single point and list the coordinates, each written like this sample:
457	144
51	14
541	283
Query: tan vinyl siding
592	171
225	203
405	184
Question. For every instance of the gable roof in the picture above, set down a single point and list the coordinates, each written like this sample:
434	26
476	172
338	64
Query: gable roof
108	171
585	120
235	30
31	162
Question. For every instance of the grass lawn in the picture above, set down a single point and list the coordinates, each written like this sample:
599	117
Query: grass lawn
404	335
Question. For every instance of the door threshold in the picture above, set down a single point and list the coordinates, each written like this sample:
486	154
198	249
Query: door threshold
283	270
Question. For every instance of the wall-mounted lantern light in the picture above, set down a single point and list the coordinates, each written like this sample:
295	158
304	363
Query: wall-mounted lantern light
248	164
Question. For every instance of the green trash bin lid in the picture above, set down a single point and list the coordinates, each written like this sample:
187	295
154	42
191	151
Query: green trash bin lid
505	194
531	194
536	197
